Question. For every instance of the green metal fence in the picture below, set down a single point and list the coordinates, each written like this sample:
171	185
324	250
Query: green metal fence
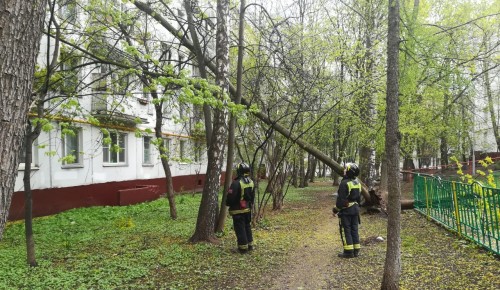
470	210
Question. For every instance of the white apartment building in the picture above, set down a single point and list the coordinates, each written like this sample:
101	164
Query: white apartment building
116	162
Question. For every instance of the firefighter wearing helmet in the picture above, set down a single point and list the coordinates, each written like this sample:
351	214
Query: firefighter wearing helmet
240	198
347	209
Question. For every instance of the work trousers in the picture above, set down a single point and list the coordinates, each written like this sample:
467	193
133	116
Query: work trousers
243	229
349	232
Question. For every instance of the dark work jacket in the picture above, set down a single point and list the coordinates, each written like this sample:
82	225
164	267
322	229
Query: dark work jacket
241	195
349	196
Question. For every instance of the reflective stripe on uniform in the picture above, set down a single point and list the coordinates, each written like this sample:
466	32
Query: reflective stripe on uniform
238	211
244	185
351	185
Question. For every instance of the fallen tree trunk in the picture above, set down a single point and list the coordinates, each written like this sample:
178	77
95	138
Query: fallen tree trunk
407	204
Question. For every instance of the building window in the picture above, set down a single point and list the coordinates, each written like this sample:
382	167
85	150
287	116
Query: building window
182	110
146	159
68	11
69	71
71	146
182	149
99	83
195	71
114	148
22	155
198	151
166	145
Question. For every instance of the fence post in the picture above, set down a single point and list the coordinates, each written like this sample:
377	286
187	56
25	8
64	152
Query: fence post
457	212
426	199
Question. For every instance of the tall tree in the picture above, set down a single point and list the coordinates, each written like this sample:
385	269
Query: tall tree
20	31
232	119
207	214
392	267
32	132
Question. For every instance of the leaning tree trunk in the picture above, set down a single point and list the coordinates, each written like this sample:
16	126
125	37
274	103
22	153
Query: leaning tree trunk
392	267
20	31
207	214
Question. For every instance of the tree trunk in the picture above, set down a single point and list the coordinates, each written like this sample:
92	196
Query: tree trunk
20	31
302	170
312	166
489	95
408	165
367	165
163	153
295	178
232	121
207	113
170	188
443	148
392	267
383	175
277	189
207	215
367	106
28	198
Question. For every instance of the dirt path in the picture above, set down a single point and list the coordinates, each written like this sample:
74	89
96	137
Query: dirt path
432	257
311	264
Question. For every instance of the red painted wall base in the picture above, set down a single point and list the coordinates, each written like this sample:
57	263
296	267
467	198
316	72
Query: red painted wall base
54	200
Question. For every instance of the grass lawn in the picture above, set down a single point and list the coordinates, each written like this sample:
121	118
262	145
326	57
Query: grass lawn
140	247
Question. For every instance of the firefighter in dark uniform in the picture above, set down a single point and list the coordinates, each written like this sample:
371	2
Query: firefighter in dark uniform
347	209
240	198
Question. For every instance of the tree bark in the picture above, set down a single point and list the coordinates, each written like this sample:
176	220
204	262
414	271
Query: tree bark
28	196
367	107
207	214
20	31
164	160
489	96
207	113
392	267
232	120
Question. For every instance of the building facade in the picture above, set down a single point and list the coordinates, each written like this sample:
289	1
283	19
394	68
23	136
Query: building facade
98	145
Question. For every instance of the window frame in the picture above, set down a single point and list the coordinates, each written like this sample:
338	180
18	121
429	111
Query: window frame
197	151
183	150
167	143
147	151
79	142
34	156
121	138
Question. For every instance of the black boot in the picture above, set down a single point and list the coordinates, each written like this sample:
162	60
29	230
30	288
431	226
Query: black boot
356	252
346	254
243	251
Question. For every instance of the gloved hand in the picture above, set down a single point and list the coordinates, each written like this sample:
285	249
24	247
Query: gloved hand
335	210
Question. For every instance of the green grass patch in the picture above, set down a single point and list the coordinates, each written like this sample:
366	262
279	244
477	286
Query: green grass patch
141	247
